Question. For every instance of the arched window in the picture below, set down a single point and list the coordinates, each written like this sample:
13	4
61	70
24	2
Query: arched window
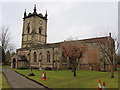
40	56
28	28
64	58
35	57
56	55
40	30
48	56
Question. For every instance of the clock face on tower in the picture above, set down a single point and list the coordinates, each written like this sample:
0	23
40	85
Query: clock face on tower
41	22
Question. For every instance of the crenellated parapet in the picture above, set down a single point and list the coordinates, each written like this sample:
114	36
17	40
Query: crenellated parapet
35	14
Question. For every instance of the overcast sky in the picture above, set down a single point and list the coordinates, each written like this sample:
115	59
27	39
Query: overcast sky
81	20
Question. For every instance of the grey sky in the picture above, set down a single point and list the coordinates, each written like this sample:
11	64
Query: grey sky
79	19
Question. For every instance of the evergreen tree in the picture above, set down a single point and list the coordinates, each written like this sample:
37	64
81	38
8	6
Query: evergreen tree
8	57
3	56
0	54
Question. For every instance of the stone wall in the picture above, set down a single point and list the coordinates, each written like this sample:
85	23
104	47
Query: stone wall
92	59
34	36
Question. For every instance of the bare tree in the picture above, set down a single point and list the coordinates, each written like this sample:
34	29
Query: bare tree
108	49
4	38
74	51
5	41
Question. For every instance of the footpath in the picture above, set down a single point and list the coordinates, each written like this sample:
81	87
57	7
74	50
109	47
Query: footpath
18	81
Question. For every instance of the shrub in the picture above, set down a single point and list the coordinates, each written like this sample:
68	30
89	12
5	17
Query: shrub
48	68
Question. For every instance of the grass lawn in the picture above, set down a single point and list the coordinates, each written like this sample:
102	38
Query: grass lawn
0	76
65	79
6	66
4	83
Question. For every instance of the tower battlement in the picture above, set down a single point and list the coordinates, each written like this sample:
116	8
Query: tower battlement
35	14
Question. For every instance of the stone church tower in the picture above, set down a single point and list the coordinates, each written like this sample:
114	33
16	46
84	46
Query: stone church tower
34	29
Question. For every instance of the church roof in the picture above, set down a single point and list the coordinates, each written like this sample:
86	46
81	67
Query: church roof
51	45
90	40
22	58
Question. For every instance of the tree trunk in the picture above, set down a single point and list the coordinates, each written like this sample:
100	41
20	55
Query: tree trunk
72	68
112	73
104	67
3	56
74	72
115	66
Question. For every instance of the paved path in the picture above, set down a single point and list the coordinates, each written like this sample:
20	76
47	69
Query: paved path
18	81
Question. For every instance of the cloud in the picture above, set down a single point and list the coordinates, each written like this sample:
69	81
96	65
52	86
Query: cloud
81	19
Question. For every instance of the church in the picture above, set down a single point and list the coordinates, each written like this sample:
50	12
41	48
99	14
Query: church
35	52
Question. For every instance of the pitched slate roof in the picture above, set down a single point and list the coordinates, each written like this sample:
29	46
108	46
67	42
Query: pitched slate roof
22	58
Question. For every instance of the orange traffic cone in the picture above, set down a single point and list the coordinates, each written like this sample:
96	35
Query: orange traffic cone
44	76
103	86
99	85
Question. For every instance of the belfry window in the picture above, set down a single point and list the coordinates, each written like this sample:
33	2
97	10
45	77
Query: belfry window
40	30
48	56
28	28
35	57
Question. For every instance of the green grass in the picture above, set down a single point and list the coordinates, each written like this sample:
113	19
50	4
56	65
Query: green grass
6	66
65	78
118	69
0	76
4	82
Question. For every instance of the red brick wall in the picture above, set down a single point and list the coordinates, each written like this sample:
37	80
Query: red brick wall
92	56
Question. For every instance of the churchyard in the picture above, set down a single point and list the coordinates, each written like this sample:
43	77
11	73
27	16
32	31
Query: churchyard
65	78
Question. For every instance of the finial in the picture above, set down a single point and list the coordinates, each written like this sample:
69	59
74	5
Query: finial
25	13
110	34
46	14
25	10
35	8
